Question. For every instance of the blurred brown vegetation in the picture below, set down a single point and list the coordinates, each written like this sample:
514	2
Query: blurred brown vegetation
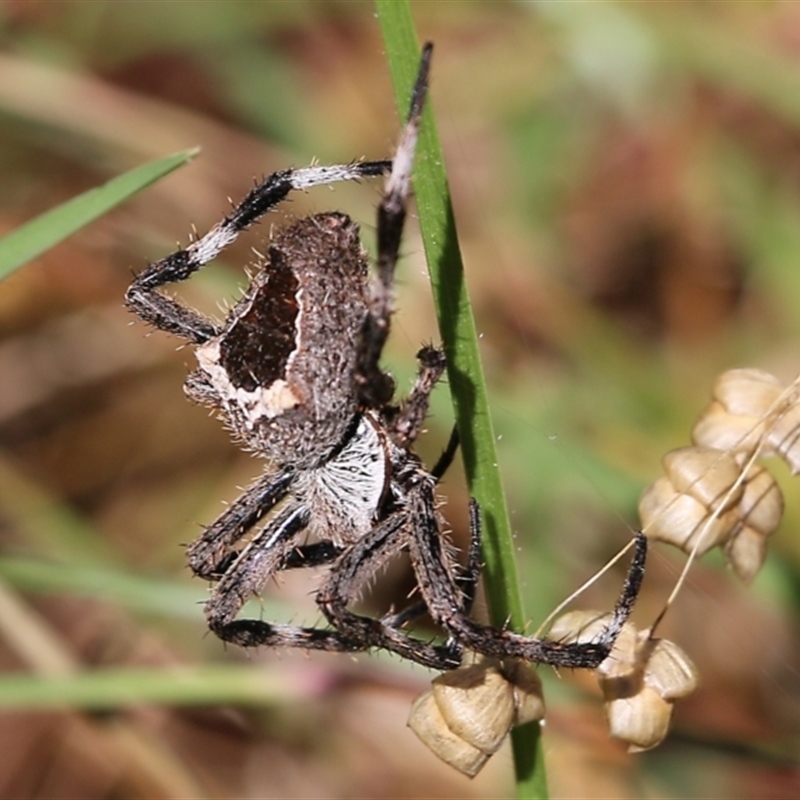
626	180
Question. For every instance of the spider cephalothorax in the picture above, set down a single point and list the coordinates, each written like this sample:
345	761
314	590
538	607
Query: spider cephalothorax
294	372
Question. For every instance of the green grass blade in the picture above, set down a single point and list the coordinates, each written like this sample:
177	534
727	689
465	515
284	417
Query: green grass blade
464	369
106	583
47	230
113	687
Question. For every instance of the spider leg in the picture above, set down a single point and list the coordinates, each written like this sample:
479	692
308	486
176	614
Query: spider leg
199	388
474	557
375	388
348	577
447	609
249	572
167	314
267	553
207	554
407	424
447	456
312	555
468	581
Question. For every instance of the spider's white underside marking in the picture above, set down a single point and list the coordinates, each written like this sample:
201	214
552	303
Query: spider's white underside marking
345	492
263	401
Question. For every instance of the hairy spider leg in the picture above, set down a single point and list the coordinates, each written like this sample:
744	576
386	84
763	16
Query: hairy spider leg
447	455
207	554
167	314
375	388
259	560
468	581
356	566
275	548
405	425
443	600
262	557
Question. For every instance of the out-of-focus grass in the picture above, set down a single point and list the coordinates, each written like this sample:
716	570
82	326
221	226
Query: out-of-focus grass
49	229
602	159
112	688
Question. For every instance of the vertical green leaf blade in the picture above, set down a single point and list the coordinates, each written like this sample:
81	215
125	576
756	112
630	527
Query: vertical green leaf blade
465	373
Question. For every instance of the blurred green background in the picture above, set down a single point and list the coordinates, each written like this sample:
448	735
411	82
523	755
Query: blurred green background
626	180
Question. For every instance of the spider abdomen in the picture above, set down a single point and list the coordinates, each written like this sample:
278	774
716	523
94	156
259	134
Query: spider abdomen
272	370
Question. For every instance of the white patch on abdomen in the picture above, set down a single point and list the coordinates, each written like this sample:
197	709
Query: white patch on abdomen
263	402
343	495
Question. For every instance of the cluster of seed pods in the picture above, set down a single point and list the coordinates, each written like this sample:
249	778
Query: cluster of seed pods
714	493
469	711
641	679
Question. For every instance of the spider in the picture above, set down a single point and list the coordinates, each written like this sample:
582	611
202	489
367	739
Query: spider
294	372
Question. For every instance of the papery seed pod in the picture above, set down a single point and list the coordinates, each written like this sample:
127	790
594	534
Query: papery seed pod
587	626
678	519
576	626
642	719
427	722
528	697
751	408
720	429
622	669
580	626
469	711
746	552
668	670
761	506
705	473
477	703
640	680
747	392
784	434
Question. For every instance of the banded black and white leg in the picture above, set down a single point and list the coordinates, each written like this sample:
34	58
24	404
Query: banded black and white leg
375	388
275	548
167	314
210	555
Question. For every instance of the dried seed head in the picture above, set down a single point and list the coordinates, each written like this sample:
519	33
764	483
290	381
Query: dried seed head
477	703
585	626
528	698
746	553
707	474
679	509
640	680
747	392
752	408
669	516
761	506
427	722
642	719
668	670
469	711
725	431
784	436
